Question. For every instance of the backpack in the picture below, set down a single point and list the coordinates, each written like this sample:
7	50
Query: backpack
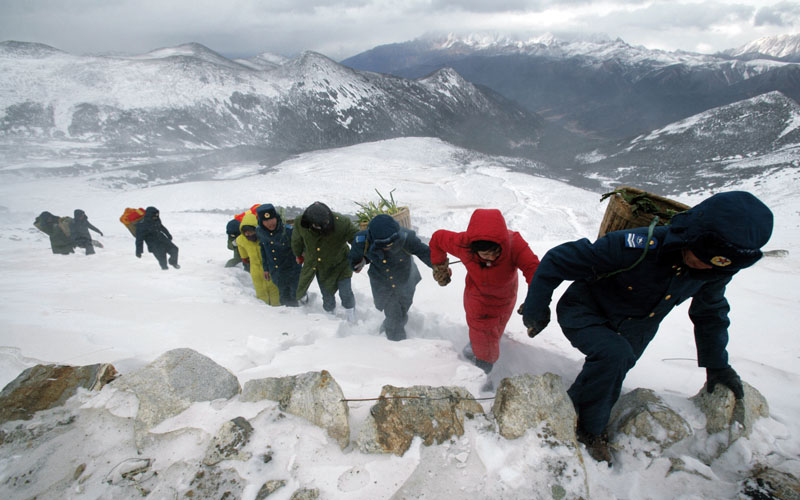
130	217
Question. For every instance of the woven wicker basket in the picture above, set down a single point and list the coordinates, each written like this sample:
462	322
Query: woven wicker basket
619	214
403	217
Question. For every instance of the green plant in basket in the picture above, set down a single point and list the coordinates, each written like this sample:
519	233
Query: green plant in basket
370	209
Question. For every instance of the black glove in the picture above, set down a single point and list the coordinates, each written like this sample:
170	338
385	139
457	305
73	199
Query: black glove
359	265
534	326
726	376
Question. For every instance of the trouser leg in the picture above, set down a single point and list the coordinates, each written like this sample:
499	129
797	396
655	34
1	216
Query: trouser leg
396	318
346	294
172	250
161	256
609	357
328	298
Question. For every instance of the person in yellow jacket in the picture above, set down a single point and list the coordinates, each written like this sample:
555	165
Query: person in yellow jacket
250	251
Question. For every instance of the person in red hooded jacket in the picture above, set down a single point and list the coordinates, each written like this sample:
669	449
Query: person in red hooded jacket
491	254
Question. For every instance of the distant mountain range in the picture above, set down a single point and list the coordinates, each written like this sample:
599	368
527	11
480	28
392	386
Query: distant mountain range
598	87
188	100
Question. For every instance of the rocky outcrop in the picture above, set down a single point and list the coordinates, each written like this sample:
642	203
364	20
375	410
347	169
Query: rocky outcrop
433	413
229	441
171	383
642	414
314	396
724	412
527	402
42	387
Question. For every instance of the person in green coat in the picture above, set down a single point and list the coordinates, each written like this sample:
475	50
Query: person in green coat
320	244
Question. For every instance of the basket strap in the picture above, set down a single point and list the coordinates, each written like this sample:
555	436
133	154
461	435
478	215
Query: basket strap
641	257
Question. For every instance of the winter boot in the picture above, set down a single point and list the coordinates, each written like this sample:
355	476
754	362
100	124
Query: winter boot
350	314
596	445
467	353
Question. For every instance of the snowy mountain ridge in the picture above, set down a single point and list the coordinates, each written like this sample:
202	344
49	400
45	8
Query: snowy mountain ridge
191	98
781	46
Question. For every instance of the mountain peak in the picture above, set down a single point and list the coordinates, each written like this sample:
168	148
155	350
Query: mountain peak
780	47
192	50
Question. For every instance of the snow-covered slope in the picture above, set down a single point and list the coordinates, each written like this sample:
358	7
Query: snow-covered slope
112	307
752	139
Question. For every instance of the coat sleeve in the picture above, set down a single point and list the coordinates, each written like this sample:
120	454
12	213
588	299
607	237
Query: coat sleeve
358	249
94	229
242	249
415	246
166	232
140	230
524	258
263	249
298	246
442	243
709	313
575	260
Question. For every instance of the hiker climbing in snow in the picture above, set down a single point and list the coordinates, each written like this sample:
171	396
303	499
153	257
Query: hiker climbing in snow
151	231
491	253
389	249
232	230
57	229
79	231
320	244
278	261
626	282
250	251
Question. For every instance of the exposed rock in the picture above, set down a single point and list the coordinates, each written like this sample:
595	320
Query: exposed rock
213	482
46	386
314	396
174	381
269	488
305	494
433	413
526	402
229	441
642	414
723	411
770	484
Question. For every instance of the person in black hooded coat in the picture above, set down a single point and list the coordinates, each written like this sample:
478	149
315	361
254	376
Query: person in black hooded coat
150	230
277	258
626	282
79	231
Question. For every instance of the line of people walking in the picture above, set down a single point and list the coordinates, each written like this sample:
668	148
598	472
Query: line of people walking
623	284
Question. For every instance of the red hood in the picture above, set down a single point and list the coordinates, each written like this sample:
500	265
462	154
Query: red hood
488	224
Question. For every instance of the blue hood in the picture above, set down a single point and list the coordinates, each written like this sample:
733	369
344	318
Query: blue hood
732	226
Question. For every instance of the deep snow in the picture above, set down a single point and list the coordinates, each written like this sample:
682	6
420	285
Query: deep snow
114	308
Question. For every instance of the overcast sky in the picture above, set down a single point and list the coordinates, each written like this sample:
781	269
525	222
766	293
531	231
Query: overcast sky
342	28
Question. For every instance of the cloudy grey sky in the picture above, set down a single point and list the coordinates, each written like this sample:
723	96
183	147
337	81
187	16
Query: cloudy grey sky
341	28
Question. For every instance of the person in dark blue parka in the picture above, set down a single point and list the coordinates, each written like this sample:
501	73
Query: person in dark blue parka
626	282
79	231
151	231
277	258
393	275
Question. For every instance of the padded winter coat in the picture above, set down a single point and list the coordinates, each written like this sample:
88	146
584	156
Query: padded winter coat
251	250
325	256
393	275
276	246
151	231
611	288
490	292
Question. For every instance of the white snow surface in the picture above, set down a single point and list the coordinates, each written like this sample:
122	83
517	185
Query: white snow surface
114	308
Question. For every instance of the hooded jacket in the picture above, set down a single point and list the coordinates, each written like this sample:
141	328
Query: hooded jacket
494	284
251	250
150	230
79	229
612	286
325	252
